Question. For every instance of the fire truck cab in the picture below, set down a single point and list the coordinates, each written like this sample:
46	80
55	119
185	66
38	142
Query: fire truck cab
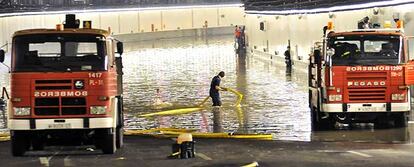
360	76
66	88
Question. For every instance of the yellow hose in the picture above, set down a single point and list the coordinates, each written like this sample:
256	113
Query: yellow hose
221	135
204	101
173	112
239	95
4	134
137	132
4	137
172	133
193	109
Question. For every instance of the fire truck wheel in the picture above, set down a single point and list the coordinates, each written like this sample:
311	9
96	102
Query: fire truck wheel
382	122
319	123
19	142
119	137
109	142
400	120
120	123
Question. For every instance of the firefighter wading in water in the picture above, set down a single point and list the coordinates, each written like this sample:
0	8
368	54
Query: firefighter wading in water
215	88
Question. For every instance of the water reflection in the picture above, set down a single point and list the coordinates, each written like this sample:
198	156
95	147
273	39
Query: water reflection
366	134
182	69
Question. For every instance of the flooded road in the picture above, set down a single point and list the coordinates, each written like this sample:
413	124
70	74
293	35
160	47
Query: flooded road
182	71
176	73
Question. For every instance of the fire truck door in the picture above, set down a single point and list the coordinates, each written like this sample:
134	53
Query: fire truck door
409	66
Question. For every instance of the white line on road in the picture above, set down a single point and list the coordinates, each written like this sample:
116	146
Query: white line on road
203	156
45	160
360	154
67	161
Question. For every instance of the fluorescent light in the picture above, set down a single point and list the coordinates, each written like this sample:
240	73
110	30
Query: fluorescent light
336	8
119	10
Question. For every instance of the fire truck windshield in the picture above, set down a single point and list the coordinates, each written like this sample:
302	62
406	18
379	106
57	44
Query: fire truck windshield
365	50
59	52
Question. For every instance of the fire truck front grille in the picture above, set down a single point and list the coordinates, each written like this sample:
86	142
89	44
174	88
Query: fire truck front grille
366	94
74	111
375	92
60	106
53	84
47	102
47	111
73	101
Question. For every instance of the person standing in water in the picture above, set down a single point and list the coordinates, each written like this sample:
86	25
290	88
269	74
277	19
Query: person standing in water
215	88
215	96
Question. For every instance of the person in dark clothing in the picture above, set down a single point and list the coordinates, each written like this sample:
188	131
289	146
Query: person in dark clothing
288	58
215	88
364	23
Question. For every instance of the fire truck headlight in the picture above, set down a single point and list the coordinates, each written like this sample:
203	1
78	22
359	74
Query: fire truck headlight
335	97
398	97
21	111
338	98
98	109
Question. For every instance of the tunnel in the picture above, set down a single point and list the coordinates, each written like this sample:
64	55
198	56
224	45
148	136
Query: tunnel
206	83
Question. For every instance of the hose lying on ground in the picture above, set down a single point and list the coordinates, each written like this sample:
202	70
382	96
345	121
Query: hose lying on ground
4	136
192	109
173	133
173	112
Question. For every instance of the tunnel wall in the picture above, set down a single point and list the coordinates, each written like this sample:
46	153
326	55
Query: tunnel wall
131	22
304	30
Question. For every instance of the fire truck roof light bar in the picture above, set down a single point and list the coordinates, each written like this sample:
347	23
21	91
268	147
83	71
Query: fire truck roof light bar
119	10
336	8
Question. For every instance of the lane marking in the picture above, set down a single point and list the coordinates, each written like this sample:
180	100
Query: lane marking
203	156
360	154
45	160
67	161
254	164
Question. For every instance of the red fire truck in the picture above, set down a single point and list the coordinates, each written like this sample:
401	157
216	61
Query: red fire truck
360	76
66	88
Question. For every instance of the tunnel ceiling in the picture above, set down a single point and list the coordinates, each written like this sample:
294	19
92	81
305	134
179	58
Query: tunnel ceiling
15	6
280	5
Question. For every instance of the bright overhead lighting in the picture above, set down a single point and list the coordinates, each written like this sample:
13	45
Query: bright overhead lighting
119	10
336	8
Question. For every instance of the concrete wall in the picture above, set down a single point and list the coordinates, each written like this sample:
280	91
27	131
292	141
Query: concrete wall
129	22
304	30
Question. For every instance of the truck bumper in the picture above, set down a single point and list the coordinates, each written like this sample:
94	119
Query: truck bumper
367	107
46	124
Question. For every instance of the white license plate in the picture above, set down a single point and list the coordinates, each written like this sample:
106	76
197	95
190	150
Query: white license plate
367	109
59	126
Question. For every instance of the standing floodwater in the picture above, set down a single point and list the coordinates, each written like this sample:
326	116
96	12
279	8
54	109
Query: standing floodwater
176	73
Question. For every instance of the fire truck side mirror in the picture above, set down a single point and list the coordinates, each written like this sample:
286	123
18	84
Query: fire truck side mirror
120	47
2	53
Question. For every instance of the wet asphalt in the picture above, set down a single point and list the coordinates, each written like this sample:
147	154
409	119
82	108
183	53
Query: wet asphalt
148	151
